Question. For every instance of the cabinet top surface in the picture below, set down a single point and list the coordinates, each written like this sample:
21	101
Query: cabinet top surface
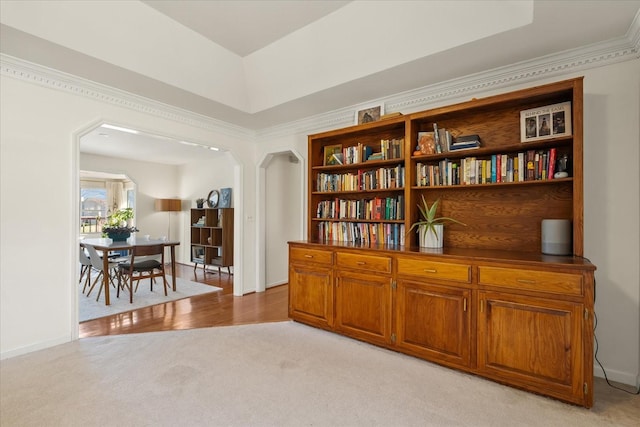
477	255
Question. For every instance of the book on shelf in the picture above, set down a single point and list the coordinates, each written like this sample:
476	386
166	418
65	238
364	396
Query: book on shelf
466	139
504	163
443	140
552	162
530	165
366	152
521	167
465	142
464	147
436	137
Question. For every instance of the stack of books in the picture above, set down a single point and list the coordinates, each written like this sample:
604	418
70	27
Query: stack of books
465	142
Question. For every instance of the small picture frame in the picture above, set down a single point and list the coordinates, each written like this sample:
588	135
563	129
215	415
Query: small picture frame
333	155
370	114
550	121
197	254
225	198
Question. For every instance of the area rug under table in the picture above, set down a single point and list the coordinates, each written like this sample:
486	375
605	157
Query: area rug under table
89	308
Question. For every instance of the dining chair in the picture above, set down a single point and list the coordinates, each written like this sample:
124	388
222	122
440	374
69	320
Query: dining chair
150	265
97	264
85	269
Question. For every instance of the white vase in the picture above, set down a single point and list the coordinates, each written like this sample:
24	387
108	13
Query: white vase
428	239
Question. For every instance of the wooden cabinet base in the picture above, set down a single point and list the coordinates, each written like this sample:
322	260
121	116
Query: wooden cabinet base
459	309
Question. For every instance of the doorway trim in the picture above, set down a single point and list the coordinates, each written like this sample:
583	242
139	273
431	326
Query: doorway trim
75	199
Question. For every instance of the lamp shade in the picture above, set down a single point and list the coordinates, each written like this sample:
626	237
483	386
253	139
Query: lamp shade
168	205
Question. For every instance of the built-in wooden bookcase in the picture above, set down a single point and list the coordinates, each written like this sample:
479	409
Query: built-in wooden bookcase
212	237
488	302
498	216
349	195
503	215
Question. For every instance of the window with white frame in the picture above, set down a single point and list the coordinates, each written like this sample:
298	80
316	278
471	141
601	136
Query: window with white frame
99	198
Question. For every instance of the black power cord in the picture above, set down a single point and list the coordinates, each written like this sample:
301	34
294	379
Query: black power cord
595	325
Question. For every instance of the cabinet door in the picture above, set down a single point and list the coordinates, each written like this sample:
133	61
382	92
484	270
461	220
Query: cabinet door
434	322
311	294
363	306
533	343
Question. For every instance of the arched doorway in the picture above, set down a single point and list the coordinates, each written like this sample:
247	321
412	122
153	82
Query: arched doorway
281	177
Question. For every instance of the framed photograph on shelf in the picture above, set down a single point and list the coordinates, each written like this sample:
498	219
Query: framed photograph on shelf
371	114
550	121
333	155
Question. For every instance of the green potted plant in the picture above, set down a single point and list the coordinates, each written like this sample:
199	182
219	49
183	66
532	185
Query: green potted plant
200	203
117	226
431	228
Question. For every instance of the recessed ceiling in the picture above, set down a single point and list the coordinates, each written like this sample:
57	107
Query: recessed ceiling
245	26
311	57
260	64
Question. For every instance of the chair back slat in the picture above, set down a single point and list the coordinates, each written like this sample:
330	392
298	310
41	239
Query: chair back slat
147	250
152	266
84	258
96	261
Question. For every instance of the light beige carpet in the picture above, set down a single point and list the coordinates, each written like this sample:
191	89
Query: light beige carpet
275	374
89	308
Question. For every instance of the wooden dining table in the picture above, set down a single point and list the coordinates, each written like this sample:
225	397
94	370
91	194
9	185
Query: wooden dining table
107	245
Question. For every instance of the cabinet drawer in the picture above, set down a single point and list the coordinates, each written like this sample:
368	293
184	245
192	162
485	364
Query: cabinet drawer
310	255
435	270
381	264
533	280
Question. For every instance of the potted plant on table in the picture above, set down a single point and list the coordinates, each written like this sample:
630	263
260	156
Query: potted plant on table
431	228
200	203
117	226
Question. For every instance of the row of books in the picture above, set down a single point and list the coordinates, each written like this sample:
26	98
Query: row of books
530	165
389	149
362	233
379	208
443	139
360	153
374	179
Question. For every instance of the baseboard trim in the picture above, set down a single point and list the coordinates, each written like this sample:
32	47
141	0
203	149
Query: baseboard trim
35	347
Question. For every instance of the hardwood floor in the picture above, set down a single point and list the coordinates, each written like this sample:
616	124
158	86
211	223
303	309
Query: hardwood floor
201	311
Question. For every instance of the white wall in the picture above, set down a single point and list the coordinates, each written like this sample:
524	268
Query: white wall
39	124
40	128
612	213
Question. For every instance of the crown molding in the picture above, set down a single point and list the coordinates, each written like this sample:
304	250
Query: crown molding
17	68
576	60
597	55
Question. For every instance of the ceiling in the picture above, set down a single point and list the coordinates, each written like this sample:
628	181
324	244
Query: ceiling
260	64
143	147
244	27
